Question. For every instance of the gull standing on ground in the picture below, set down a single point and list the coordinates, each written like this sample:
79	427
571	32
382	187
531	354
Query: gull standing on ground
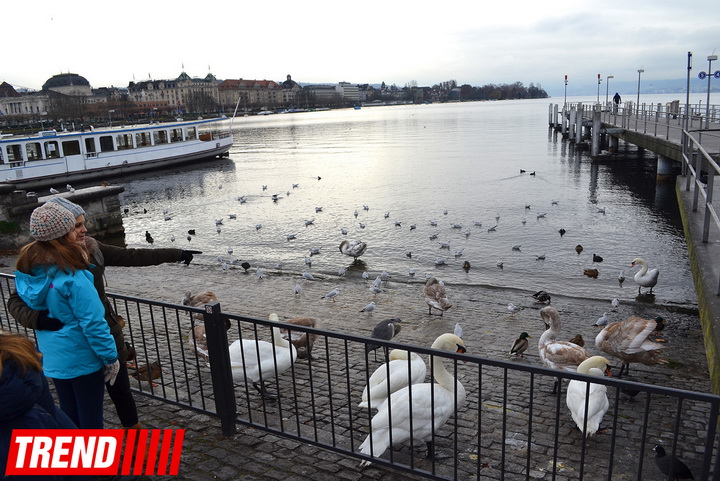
332	294
369	308
514	309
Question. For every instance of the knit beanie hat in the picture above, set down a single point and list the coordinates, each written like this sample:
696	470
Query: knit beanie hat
75	209
51	221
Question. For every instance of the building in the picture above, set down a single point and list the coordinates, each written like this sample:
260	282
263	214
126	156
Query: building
182	94
349	92
250	95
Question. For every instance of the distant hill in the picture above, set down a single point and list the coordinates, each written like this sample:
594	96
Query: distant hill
625	88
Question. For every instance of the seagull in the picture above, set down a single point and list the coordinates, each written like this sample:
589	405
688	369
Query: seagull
601	210
309	222
433	223
445	245
413	226
70	188
356	213
369	308
602	321
229	250
297	288
314	251
541	257
365	275
318	209
54	191
411	272
260	272
439	262
307	276
553	202
459	253
615	303
477	223
218	221
377	281
384	275
387	214
375	290
344	231
467	233
541	215
308	261
493	228
291	236
516	247
342	271
365	207
218	229
398	223
232	216
258	227
514	309
524	221
332	294
527	206
433	236
497	217
621	278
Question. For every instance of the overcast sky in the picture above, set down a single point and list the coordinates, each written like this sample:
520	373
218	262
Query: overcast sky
113	43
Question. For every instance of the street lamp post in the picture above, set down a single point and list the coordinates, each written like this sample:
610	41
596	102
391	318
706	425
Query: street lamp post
710	74
598	95
565	104
637	107
110	112
607	87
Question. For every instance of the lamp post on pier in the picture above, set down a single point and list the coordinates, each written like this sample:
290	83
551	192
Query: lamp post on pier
565	103
598	95
607	87
709	75
637	107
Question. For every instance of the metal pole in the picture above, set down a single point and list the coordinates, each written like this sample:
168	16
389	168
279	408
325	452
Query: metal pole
565	93
598	95
707	106
220	371
637	107
607	87
687	92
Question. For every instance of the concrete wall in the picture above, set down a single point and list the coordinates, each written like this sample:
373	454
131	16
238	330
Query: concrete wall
101	204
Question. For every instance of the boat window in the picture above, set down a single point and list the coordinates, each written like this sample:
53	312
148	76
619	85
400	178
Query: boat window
90	145
51	150
176	135
71	147
106	143
124	141
160	137
14	153
191	133
2	157
142	139
33	151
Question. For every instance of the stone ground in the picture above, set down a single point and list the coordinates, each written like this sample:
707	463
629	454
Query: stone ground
489	330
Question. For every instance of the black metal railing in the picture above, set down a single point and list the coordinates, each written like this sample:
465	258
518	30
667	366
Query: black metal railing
509	426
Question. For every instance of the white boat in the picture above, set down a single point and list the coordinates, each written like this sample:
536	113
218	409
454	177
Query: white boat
51	157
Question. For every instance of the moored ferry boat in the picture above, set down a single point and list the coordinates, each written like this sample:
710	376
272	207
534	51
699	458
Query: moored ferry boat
51	157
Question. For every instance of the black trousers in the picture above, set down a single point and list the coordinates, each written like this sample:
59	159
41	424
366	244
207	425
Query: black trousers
122	398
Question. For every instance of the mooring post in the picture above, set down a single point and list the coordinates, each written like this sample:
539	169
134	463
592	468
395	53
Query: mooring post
596	125
579	124
220	371
550	116
571	122
564	120
555	117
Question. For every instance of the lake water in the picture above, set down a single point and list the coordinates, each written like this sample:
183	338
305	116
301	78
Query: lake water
449	163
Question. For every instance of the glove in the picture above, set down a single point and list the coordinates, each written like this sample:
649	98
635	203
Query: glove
47	323
111	372
187	256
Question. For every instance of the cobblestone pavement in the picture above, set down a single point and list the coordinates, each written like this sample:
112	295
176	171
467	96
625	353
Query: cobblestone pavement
489	330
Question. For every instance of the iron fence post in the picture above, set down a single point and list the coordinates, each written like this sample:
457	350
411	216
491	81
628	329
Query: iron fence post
220	372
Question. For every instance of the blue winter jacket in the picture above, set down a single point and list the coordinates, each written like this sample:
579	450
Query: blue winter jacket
84	344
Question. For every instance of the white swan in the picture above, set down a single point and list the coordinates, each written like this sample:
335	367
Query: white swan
353	249
645	277
257	361
435	296
597	401
396	371
562	355
432	405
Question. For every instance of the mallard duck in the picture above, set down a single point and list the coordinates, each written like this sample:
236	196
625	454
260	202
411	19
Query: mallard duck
353	249
578	248
384	330
645	277
628	341
520	345
542	296
393	376
432	405
562	355
594	273
578	339
302	340
148	372
257	361
435	296
596	399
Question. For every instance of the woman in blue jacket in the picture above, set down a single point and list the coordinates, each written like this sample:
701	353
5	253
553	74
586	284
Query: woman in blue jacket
52	273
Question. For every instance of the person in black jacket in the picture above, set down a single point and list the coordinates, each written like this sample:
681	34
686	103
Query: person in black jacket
25	399
102	255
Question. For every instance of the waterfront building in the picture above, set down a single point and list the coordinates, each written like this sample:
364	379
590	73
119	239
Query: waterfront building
182	94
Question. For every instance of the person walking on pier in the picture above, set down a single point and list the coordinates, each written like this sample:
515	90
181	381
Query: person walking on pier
102	255
616	100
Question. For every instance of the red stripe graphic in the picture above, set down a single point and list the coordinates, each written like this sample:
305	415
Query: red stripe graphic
94	452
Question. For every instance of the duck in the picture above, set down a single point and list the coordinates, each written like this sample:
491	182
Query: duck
520	345
393	376
578	339
353	249
149	372
435	296
562	355
384	330
671	465
149	238
542	296
628	341
578	396
578	248
257	361
645	277
431	407
301	339
594	273
597	258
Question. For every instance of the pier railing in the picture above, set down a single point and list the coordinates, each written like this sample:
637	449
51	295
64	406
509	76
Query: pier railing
701	170
509	427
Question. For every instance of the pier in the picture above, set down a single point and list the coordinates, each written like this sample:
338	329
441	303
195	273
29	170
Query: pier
688	135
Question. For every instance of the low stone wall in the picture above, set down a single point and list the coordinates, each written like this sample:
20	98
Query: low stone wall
101	204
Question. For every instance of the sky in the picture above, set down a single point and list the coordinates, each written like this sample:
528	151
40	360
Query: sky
396	42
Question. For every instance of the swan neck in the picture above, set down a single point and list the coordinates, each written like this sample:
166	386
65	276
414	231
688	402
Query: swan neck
441	374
